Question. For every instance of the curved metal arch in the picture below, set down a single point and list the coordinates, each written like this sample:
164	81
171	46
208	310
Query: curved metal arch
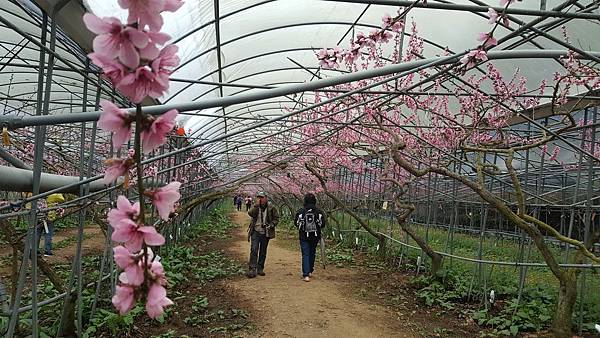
76	84
288	128
35	22
262	137
269	71
210	49
288	68
98	82
408	34
32	104
217	120
59	48
65	90
221	17
237	62
66	86
230	114
399	69
474	8
274	84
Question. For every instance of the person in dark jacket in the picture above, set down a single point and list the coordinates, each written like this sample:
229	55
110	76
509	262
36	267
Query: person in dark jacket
261	229
309	220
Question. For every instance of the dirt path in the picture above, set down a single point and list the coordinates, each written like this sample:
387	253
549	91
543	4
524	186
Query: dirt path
93	243
324	307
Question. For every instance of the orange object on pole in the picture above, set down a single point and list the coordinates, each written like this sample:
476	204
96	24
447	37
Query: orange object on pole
180	131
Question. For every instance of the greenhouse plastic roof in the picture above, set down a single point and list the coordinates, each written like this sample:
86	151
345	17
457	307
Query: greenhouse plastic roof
254	45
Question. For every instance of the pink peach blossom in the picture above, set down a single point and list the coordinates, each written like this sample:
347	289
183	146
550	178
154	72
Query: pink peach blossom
474	56
151	52
114	39
113	69
155	135
157	295
147	12
164	199
124	298
487	39
157	300
141	83
134	236
123	213
130	264
115	120
493	15
144	12
116	168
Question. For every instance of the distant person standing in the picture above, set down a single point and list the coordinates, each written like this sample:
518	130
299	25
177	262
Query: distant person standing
238	202
47	225
248	202
261	229
310	221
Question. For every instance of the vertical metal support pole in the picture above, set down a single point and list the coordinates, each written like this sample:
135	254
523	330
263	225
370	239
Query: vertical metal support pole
31	246
575	194
588	212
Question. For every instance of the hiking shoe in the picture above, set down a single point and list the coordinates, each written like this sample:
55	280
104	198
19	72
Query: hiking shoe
49	254
251	274
306	279
310	275
261	273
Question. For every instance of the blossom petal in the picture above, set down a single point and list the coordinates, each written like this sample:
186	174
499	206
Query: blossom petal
122	256
151	237
123	299
96	25
157	300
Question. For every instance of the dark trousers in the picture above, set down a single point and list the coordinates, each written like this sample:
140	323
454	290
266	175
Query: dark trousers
258	251
47	236
247	207
309	250
239	206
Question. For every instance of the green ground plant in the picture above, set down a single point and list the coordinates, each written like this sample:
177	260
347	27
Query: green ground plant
467	284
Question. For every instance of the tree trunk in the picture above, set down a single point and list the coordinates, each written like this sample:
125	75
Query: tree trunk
436	264
436	259
567	295
68	328
382	245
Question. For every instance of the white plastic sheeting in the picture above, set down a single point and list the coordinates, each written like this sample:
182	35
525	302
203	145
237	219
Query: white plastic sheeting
258	43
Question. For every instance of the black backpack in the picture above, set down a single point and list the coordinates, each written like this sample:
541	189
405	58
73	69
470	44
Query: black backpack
310	221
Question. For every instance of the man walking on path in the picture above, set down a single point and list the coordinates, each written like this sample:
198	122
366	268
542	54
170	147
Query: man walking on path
261	229
310	221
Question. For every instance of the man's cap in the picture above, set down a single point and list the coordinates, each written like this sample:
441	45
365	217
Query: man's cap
261	194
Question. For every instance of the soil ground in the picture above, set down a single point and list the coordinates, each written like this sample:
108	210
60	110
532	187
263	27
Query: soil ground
337	302
64	244
351	301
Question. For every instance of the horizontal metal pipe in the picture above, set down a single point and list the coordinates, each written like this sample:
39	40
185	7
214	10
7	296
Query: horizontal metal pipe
14	121
21	180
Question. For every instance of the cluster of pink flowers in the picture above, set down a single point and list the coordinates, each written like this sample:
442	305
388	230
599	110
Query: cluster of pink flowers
332	57
487	39
129	53
130	57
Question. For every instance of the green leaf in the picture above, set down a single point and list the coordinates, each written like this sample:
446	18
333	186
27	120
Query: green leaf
514	329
